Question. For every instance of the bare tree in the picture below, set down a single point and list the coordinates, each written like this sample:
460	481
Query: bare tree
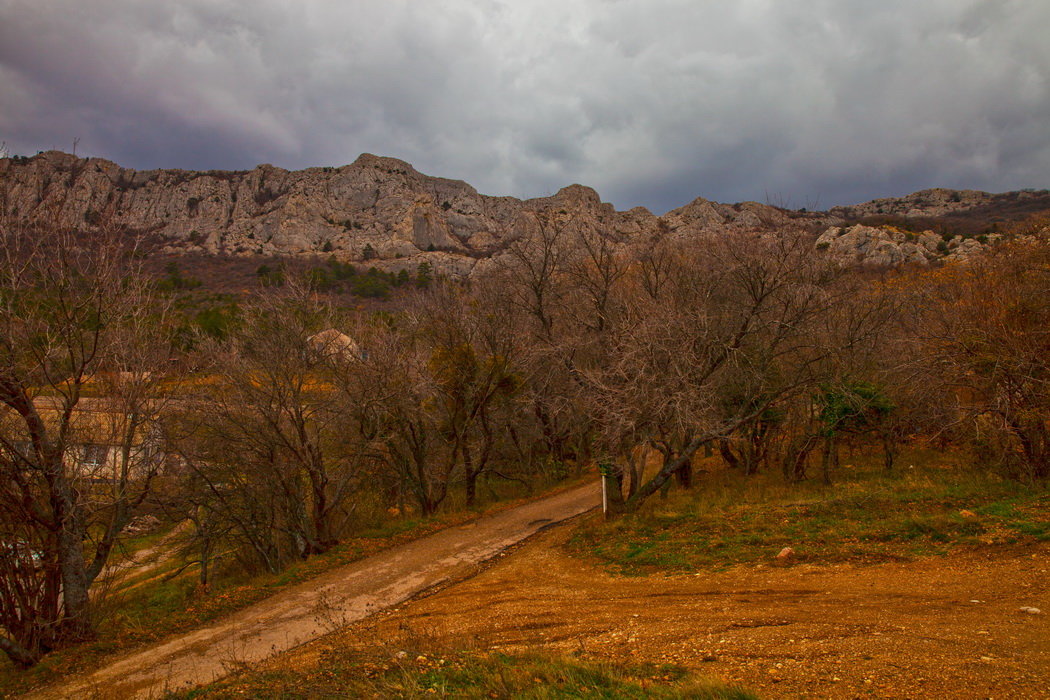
534	267
730	336
596	268
535	280
473	352
393	392
984	337
76	319
269	440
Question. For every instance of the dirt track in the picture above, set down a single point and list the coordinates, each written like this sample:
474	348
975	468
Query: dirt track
323	604
942	627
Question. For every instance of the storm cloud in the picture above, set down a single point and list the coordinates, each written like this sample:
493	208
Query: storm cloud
652	102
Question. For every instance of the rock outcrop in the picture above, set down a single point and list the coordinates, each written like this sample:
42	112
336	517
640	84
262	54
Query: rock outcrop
873	246
377	209
880	247
383	211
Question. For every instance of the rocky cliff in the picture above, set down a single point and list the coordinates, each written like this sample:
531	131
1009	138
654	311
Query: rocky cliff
382	209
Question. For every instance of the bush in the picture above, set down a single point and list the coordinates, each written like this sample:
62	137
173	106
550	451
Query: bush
374	284
269	276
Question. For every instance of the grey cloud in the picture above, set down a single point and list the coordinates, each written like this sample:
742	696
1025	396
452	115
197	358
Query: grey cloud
652	102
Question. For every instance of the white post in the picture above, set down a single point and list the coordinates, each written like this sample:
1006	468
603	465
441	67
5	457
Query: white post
605	500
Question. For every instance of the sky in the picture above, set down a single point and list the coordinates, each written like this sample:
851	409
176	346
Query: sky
800	103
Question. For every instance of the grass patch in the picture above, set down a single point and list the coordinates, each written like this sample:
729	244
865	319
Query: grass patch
468	675
731	519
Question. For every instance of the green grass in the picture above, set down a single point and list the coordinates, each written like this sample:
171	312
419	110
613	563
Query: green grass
468	675
731	519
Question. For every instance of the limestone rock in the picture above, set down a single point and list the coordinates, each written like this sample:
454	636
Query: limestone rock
887	247
384	211
379	209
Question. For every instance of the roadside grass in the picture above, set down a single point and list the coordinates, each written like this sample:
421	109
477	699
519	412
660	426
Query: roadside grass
146	608
466	674
932	505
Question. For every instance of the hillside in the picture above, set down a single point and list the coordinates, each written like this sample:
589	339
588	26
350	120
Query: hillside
382	210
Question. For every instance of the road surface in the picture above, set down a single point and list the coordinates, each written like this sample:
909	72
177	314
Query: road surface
321	605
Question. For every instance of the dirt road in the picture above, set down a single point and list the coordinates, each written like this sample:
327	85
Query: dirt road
939	627
323	604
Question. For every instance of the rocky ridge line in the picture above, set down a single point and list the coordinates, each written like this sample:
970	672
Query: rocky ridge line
383	210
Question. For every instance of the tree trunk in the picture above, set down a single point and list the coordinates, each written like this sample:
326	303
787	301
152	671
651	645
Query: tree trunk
889	452
684	474
324	538
635	468
728	456
672	465
470	477
1034	445
616	506
76	602
755	453
798	455
829	457
205	562
19	655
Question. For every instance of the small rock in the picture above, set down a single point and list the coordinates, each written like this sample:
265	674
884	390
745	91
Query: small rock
986	658
143	524
786	554
401	655
1031	611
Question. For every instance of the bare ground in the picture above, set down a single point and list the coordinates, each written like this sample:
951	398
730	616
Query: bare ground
941	627
323	604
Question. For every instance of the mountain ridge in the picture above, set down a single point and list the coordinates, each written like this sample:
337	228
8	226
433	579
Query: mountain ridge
382	209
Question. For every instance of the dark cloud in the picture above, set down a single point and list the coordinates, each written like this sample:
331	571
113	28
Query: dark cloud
652	102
